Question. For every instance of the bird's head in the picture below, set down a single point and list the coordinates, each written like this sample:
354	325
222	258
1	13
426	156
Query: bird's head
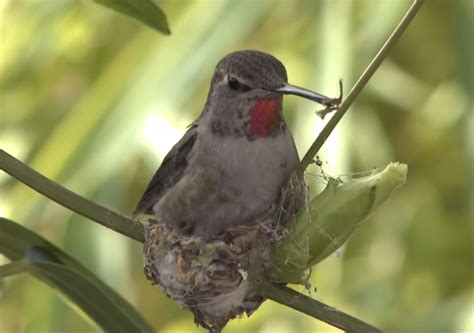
246	95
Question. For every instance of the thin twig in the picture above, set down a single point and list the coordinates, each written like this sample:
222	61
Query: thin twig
13	268
360	84
134	230
69	199
291	298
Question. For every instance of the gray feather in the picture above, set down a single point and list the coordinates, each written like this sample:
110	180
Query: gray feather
169	173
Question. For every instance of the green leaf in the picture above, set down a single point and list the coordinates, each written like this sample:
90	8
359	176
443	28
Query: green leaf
144	11
329	221
32	253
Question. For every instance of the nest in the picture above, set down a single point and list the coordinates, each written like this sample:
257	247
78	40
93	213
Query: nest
215	278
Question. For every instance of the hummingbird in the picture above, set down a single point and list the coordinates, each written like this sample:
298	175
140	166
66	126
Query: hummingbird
226	172
230	165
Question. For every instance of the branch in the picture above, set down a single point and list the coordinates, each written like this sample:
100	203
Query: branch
134	230
360	84
330	315
61	195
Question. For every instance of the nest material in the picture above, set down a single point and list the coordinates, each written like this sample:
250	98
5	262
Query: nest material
214	278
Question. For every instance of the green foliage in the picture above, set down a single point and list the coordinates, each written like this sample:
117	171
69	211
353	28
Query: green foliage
96	112
143	10
33	254
330	219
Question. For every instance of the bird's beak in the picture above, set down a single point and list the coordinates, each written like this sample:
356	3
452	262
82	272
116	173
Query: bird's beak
305	93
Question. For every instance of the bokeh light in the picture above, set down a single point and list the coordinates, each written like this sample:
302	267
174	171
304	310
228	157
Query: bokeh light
94	100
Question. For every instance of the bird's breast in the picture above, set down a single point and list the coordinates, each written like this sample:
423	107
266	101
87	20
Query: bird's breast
228	181
251	172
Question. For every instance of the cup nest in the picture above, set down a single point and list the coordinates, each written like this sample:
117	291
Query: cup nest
215	279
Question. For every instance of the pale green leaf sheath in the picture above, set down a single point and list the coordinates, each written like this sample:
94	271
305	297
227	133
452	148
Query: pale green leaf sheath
330	219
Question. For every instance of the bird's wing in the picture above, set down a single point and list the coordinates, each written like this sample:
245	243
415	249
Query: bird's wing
169	172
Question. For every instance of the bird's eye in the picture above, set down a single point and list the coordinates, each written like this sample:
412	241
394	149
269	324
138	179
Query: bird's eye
233	83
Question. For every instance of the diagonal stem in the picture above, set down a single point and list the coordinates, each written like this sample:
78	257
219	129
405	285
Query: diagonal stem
289	297
134	230
69	199
360	84
13	268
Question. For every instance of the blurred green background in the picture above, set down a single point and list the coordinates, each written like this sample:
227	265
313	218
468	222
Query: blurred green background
94	100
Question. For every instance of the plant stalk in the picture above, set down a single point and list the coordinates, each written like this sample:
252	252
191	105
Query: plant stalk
61	195
330	315
357	88
134	230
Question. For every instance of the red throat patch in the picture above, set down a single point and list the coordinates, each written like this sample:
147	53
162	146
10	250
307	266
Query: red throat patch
265	117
